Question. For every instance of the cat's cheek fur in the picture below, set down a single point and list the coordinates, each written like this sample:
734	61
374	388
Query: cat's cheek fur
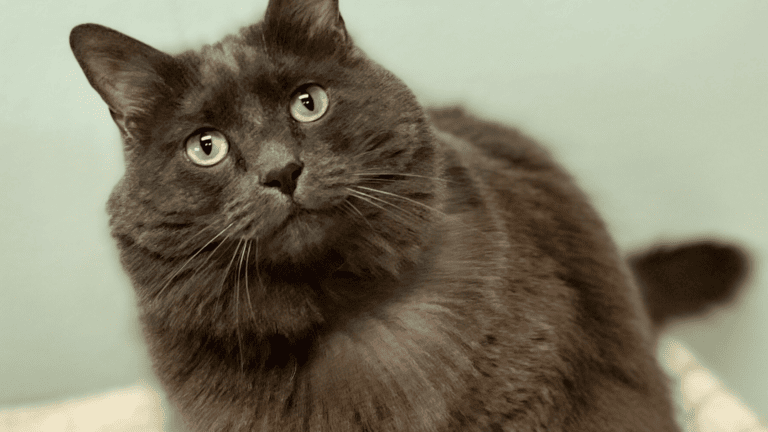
317	191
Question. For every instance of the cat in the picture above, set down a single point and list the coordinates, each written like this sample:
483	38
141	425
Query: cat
311	250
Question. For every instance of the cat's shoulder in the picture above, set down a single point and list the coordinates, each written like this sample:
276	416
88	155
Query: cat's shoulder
493	140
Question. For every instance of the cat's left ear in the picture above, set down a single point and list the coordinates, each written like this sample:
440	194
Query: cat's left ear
313	27
129	75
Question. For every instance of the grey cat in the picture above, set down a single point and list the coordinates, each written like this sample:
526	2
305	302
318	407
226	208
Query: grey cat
313	251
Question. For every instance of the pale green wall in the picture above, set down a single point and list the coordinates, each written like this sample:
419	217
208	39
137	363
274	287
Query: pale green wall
659	108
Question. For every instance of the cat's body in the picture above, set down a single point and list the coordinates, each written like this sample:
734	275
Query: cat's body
498	327
373	268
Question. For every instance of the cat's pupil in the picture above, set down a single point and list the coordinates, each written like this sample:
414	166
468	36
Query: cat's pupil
206	143
307	101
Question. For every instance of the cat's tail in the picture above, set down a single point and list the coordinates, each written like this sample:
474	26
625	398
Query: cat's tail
688	279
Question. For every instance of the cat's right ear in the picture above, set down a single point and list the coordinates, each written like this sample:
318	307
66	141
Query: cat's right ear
129	75
309	27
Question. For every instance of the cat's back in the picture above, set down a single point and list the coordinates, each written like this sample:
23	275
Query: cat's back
575	336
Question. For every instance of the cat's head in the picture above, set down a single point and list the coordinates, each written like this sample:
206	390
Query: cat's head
284	138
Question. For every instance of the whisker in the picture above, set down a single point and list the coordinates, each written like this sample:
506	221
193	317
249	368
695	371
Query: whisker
406	199
237	304
295	367
377	180
247	290
360	213
375	174
226	275
210	256
258	274
368	198
420	204
170	279
189	240
240	263
383	201
344	208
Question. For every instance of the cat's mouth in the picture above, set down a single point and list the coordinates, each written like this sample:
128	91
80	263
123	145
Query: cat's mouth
300	232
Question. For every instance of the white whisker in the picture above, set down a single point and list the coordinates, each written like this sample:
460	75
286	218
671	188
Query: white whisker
226	275
183	245
367	198
420	204
170	279
247	290
360	213
237	304
374	174
258	274
404	198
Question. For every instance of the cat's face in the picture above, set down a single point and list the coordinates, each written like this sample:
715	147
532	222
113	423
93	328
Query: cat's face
284	141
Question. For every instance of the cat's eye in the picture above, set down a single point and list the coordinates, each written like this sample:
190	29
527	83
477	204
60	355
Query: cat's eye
309	103
207	148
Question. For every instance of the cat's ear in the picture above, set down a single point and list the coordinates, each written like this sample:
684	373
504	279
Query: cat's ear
313	27
130	76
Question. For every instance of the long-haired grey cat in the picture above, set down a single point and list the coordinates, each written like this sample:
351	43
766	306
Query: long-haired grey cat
313	251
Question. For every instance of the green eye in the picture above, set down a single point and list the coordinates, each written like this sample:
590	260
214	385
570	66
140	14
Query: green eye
207	148
309	103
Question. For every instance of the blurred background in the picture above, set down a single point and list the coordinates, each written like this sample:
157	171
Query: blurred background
658	108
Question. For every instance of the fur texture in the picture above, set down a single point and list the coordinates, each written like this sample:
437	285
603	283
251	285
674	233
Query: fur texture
379	269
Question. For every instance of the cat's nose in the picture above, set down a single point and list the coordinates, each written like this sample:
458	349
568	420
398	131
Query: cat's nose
284	178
